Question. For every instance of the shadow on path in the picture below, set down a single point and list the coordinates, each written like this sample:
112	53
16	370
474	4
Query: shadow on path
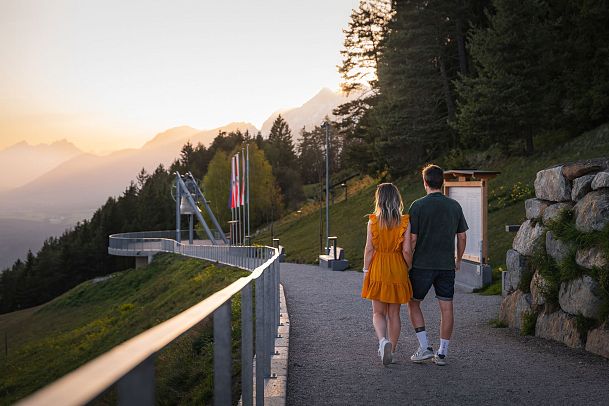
333	360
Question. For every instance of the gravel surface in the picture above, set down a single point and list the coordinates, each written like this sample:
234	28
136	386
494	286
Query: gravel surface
333	360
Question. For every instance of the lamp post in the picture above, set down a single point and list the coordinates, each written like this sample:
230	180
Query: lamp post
326	125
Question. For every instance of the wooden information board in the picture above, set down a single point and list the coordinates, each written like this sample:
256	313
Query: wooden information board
470	189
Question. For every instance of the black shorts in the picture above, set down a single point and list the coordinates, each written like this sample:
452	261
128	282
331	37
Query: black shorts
443	282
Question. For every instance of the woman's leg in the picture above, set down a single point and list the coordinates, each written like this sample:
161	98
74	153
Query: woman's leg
379	316
395	324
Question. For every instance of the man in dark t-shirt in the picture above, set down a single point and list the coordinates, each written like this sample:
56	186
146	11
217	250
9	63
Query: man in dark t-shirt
435	220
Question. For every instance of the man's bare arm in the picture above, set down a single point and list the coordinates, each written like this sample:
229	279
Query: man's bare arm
461	241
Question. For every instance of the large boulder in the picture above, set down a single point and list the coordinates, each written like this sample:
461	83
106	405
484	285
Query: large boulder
528	237
538	285
556	248
551	184
592	212
601	180
581	296
574	170
534	207
516	264
581	187
598	340
512	308
590	258
559	326
552	212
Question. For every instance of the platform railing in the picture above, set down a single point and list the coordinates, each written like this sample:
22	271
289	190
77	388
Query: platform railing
130	365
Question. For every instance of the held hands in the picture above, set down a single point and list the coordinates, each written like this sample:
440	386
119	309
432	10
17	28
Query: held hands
457	264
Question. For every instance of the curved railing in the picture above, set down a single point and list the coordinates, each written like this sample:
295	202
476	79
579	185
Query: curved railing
131	364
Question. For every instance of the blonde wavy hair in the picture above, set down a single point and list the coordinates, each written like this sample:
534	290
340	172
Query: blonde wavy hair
388	205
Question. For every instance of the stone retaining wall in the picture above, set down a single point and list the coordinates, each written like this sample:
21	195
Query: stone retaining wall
578	316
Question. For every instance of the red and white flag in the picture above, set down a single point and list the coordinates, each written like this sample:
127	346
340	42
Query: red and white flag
231	199
237	182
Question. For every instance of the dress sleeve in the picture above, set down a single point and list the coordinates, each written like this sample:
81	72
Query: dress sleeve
402	231
374	229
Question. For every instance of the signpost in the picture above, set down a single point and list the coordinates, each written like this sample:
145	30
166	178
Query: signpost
470	189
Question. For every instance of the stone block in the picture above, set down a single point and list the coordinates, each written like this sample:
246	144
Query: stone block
577	169
581	187
581	296
601	180
598	340
538	284
556	248
512	308
528	237
516	264
552	212
559	326
590	258
534	208
551	184
592	212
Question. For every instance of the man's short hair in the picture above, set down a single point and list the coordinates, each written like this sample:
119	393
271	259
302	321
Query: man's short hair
433	176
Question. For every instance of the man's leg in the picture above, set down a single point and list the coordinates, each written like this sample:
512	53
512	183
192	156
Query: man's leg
446	324
445	290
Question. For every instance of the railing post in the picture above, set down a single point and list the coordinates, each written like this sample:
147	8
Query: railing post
222	355
268	318
137	387
260	342
247	346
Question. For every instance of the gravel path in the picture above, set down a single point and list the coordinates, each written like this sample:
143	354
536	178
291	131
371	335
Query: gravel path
333	360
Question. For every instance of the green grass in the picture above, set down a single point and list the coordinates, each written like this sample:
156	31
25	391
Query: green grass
300	234
46	342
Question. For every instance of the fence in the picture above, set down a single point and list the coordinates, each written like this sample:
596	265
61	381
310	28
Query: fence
131	365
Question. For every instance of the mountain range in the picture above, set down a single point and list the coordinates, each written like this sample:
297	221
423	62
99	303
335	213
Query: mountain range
67	185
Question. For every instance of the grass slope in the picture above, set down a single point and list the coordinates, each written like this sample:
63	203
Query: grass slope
48	341
300	234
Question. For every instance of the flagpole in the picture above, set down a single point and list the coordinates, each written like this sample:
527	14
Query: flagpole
247	179
242	186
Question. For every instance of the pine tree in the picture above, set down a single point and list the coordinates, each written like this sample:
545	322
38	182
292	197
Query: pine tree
280	152
514	94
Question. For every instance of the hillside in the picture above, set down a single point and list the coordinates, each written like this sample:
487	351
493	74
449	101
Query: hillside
300	234
48	341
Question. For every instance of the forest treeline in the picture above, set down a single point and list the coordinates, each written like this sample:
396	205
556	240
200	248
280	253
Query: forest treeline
439	77
430	79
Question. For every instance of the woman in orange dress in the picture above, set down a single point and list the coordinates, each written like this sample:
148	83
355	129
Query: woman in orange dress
387	259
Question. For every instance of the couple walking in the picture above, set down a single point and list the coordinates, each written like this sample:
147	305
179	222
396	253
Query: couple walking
407	254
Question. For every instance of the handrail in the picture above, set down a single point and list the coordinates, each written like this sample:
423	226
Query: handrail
90	380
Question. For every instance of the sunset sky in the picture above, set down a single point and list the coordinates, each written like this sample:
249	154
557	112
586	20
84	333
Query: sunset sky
110	74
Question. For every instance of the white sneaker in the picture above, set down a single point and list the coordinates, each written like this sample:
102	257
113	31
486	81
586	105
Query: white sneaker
421	355
385	351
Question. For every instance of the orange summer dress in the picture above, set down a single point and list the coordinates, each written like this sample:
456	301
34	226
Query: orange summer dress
387	277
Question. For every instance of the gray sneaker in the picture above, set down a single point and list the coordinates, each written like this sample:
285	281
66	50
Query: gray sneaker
421	355
385	352
439	359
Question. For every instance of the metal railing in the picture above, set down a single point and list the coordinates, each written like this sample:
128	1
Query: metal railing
130	365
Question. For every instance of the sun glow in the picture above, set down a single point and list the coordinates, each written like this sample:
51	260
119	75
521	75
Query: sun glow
110	74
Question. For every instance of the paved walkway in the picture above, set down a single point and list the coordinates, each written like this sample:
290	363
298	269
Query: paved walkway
333	361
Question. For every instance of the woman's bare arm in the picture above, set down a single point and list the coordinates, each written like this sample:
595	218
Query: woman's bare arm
407	247
369	250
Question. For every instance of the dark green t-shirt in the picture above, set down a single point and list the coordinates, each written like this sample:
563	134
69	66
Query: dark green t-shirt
436	219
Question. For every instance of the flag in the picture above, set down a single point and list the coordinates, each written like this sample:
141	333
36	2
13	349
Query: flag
231	196
244	178
237	182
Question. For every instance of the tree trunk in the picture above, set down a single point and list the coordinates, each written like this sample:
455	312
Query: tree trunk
461	41
448	97
529	149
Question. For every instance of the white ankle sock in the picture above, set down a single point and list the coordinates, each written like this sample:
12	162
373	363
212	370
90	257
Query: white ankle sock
381	340
443	347
422	337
